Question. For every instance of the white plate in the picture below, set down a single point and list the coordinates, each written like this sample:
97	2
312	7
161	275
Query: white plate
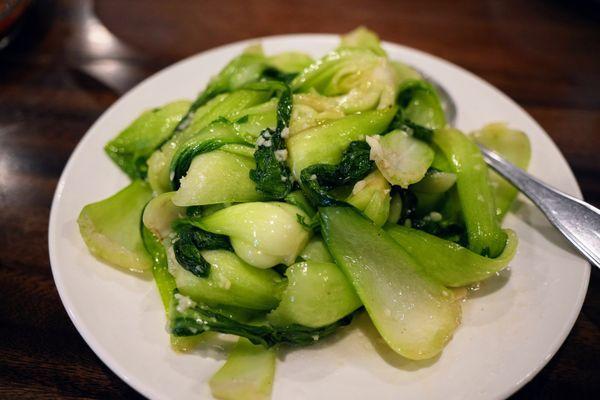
511	327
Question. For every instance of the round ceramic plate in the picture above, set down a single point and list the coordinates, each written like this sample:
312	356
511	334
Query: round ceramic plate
511	326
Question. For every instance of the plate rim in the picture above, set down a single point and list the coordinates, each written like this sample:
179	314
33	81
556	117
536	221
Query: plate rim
148	392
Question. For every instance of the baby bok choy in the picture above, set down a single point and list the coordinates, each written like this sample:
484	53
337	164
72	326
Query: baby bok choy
262	234
136	143
226	106
326	143
165	283
317	294
414	314
476	198
318	180
189	319
111	228
230	281
247	374
400	157
372	196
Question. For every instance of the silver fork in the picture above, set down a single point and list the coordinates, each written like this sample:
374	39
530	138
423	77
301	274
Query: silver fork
577	220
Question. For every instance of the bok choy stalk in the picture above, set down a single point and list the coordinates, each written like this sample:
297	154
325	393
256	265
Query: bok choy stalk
222	133
190	319
164	281
372	196
414	314
132	147
395	211
262	234
515	147
326	143
111	227
157	229
315	250
435	182
159	214
165	219
448	262
247	374
229	271
477	201
317	294
400	157
297	198
217	177
231	282
165	285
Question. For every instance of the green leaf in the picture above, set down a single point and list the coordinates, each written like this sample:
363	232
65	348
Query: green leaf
319	179
272	175
298	199
189	242
132	147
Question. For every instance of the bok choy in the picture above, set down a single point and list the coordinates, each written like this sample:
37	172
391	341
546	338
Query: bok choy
294	193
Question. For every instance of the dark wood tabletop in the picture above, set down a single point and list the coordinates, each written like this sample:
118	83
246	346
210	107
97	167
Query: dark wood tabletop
543	54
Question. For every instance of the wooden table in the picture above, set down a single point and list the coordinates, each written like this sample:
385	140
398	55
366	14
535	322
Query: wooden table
543	54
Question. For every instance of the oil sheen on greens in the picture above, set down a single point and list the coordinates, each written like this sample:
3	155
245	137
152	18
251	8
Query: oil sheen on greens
293	193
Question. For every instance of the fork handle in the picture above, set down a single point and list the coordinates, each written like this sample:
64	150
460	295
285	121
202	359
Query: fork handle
577	220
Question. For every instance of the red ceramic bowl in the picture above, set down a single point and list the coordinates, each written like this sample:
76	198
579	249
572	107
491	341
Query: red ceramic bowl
10	12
